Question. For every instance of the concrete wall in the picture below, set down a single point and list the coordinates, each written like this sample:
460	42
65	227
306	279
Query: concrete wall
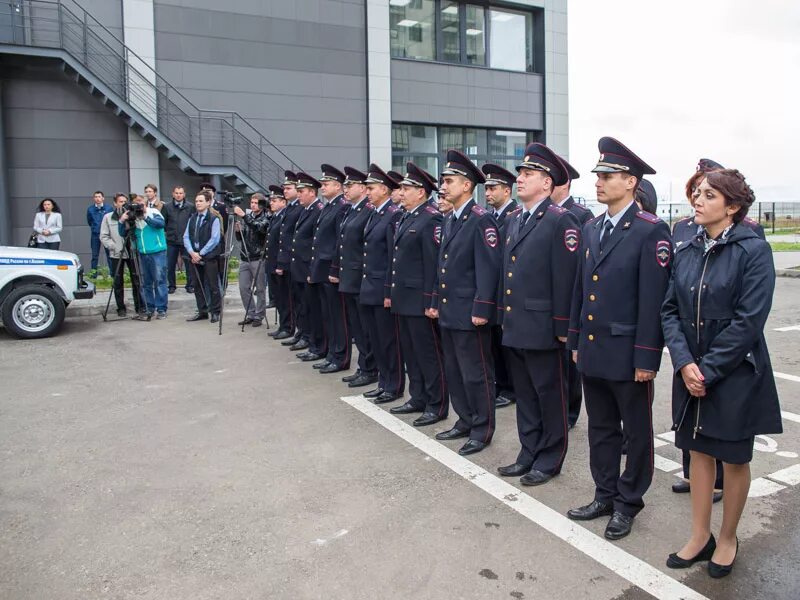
295	69
60	143
443	94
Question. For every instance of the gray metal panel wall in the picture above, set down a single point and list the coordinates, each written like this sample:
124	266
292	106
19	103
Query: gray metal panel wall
60	143
424	92
294	69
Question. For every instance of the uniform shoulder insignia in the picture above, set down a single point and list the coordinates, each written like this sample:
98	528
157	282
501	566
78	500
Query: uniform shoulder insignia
683	220
392	209
431	210
369	206
479	210
596	219
556	209
515	212
649	217
581	207
750	221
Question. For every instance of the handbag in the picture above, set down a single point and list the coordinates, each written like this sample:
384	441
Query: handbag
32	240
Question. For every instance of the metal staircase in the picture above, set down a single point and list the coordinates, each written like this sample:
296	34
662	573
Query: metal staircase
198	141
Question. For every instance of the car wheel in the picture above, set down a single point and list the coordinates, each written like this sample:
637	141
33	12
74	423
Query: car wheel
33	311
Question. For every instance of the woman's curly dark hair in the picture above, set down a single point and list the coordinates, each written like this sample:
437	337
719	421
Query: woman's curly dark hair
693	183
40	208
733	186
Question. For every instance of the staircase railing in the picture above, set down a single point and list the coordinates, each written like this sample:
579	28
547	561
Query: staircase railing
210	137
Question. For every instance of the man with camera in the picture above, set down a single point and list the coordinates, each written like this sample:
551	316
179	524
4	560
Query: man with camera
121	255
151	245
251	232
203	241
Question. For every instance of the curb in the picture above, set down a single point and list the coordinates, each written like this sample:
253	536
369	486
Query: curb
180	301
792	273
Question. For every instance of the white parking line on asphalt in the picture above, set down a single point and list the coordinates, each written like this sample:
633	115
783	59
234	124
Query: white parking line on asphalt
789	328
627	566
789	475
786	376
790	416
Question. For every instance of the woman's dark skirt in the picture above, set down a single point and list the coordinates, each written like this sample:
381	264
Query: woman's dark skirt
739	452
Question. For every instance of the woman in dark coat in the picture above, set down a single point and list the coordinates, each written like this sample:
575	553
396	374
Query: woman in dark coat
723	394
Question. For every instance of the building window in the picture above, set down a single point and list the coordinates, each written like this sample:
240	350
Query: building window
462	33
412	28
510	33
426	145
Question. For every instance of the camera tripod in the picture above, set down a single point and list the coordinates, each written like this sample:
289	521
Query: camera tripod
134	257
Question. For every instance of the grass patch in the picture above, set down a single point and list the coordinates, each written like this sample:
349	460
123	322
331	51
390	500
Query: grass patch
785	246
103	280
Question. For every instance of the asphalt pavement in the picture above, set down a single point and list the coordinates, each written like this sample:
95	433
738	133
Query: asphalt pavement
161	460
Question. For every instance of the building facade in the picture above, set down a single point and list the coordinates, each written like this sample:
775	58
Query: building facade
114	94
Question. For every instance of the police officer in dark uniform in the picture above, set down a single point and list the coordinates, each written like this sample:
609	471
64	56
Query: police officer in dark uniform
562	197
498	187
381	324
646	197
277	206
349	270
615	329
539	265
412	281
293	211
311	207
465	304
324	249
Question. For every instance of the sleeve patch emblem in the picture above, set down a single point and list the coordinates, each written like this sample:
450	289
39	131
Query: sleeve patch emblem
437	234
571	240
663	253
490	236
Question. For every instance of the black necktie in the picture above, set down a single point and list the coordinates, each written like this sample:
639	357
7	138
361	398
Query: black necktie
607	228
525	216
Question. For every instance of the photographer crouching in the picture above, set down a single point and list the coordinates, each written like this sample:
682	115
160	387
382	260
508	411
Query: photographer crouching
252	235
203	241
151	246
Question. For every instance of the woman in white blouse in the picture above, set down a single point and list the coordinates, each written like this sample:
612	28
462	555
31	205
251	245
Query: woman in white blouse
47	224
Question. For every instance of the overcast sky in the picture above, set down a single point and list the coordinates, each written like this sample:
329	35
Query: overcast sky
680	80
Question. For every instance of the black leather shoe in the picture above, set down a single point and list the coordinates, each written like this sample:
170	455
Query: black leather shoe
535	477
282	335
373	393
353	377
271	304
718	571
246	321
290	341
676	562
257	323
331	368
513	470
427	419
618	526
311	357
681	487
501	401
406	409
362	380
198	317
322	364
171	290
471	447
301	345
590	511
214	318
301	355
452	434
387	397
716	497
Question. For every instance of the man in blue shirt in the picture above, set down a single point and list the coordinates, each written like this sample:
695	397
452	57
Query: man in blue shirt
94	217
203	241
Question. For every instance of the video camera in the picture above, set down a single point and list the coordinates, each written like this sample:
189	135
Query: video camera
134	210
231	199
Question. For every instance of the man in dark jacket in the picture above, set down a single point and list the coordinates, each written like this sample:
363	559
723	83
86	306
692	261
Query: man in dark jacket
176	217
251	232
293	211
277	206
94	217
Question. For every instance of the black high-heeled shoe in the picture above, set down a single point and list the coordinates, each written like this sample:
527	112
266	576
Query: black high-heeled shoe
676	562
718	571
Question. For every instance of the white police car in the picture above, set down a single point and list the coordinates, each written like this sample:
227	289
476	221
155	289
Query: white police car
35	288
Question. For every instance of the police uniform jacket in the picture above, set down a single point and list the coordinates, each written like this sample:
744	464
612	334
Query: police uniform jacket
302	240
349	264
615	321
506	217
714	315
412	279
583	214
273	241
325	241
686	229
470	258
378	239
540	261
287	225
